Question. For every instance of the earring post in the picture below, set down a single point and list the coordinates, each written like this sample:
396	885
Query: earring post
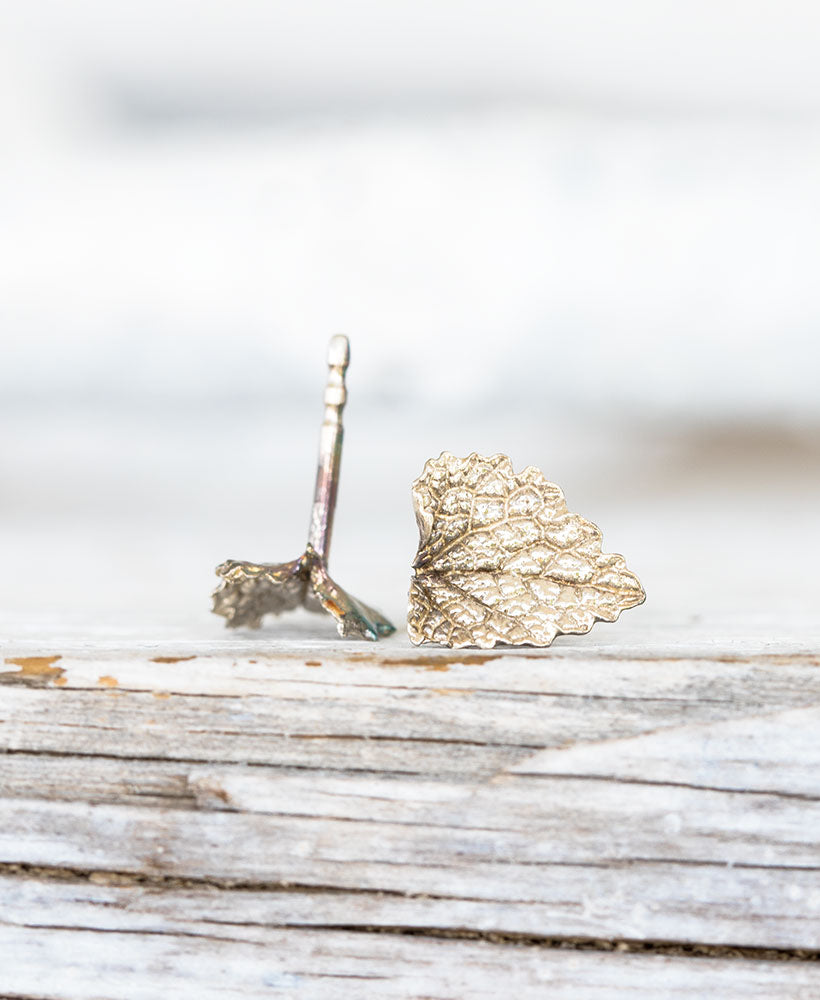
331	437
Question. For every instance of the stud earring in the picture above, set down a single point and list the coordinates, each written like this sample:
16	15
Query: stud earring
501	559
249	591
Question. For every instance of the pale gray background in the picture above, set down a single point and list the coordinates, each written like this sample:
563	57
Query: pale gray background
586	234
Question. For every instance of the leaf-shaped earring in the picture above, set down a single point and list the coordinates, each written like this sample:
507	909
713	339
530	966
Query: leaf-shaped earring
249	591
502	559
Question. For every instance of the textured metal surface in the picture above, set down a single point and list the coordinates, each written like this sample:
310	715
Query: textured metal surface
501	559
249	591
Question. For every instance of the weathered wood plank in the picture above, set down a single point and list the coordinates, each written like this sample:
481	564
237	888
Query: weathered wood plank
466	717
83	942
514	818
653	902
757	671
543	793
700	863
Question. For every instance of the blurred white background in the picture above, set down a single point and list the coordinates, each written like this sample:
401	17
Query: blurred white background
586	234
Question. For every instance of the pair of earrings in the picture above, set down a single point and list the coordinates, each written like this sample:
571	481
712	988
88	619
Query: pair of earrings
501	559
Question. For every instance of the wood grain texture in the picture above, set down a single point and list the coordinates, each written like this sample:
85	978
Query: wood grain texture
326	820
142	944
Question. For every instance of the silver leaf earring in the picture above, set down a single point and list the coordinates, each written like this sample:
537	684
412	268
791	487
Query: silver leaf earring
249	591
501	559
